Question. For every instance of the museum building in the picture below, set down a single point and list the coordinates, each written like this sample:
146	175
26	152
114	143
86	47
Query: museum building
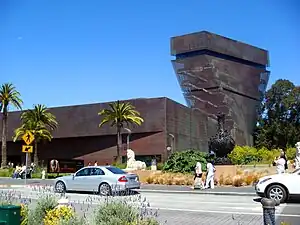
216	74
167	124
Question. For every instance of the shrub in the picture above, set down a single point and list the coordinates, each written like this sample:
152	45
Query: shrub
44	204
6	172
221	179
73	221
148	221
228	180
58	214
291	153
24	214
249	179
242	155
170	179
160	166
116	212
185	161
238	181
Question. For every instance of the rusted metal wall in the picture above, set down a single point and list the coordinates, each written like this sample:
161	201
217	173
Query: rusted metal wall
218	74
78	135
188	126
83	120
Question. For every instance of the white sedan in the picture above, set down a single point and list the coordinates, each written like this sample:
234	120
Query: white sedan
102	179
279	186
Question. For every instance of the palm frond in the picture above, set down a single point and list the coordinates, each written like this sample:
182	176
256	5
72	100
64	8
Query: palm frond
120	113
39	121
9	95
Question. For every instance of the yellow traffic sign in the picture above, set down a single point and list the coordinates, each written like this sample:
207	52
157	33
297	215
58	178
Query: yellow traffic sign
28	137
27	148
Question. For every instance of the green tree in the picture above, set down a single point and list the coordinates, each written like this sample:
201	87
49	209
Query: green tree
9	96
40	122
119	114
279	121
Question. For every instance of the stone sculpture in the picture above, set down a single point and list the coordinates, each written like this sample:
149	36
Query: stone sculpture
132	164
54	166
297	159
153	165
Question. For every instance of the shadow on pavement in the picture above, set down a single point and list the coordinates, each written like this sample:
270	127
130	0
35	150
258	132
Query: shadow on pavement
117	194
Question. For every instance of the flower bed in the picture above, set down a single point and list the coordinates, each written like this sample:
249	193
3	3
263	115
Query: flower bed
241	178
46	210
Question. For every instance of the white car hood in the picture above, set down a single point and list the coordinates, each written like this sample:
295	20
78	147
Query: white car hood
276	176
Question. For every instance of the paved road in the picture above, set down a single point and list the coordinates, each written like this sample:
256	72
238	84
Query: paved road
188	209
144	187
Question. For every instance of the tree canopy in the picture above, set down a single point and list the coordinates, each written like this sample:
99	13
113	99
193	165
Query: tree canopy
278	123
9	96
40	122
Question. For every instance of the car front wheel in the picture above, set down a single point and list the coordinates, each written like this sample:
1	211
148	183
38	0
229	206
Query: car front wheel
277	193
60	187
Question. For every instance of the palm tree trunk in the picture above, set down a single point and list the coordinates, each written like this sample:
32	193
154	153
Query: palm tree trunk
35	158
118	144
4	138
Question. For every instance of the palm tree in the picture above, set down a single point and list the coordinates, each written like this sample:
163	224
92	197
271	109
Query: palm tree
40	122
8	96
117	115
39	132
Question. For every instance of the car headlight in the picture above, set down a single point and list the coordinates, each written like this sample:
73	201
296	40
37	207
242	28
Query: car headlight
264	180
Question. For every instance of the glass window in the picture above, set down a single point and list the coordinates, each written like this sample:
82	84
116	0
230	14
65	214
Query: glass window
83	172
96	172
115	170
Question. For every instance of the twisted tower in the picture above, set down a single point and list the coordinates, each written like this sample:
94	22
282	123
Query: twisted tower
218	74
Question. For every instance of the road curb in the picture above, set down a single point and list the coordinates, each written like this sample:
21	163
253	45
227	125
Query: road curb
196	192
19	185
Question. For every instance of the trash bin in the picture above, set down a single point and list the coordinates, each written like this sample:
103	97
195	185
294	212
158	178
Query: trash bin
11	214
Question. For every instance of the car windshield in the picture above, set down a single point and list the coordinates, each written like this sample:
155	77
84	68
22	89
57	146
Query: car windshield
115	170
297	171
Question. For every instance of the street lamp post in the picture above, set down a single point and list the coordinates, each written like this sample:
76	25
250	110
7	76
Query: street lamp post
128	136
173	142
191	129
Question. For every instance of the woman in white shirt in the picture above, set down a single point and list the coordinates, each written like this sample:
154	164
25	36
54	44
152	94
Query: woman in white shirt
210	175
280	164
198	176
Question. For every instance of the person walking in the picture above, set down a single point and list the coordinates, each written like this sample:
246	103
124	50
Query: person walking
280	163
283	155
210	175
198	183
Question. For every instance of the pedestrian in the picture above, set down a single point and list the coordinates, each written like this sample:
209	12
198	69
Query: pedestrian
198	183
16	172
283	155
210	175
96	163
280	163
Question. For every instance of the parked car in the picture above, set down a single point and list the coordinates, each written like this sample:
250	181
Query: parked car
280	187
103	179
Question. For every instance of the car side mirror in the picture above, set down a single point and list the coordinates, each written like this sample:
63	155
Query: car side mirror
73	176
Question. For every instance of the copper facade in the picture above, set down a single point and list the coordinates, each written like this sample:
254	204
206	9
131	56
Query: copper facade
218	74
79	137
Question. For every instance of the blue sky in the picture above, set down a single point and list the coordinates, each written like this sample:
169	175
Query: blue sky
63	52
